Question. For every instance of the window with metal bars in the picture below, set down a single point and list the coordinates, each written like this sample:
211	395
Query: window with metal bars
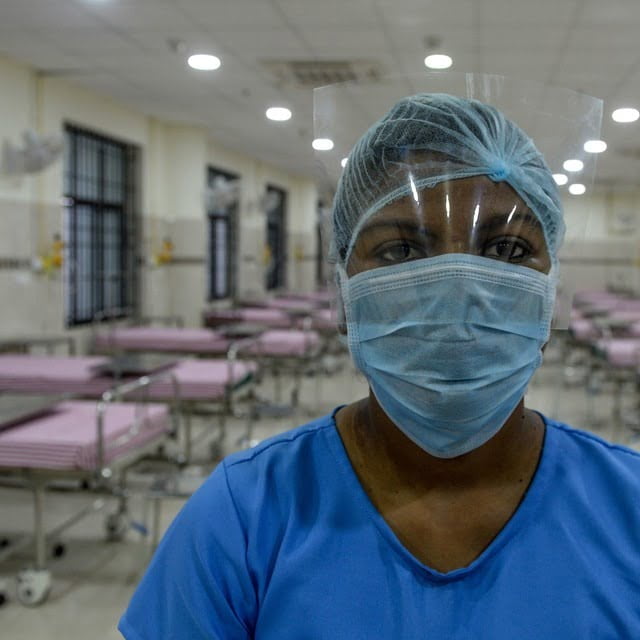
100	227
276	202
222	214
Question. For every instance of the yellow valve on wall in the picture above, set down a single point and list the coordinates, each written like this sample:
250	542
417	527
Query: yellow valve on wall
57	249
266	255
52	259
165	254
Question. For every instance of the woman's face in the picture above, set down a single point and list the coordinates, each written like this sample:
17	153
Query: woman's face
468	215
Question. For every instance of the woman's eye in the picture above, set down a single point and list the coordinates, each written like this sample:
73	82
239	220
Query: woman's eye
508	250
399	252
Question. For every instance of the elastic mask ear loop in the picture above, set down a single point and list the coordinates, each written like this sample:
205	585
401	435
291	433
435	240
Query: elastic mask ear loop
341	314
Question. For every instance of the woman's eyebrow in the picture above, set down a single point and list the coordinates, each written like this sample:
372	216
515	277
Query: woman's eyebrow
408	226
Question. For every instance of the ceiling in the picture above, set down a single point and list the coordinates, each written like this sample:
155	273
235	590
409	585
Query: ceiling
135	50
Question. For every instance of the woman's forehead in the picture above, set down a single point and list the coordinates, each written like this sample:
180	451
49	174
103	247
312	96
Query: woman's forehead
465	201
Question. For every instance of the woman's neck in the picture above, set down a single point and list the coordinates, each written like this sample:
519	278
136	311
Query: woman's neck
379	450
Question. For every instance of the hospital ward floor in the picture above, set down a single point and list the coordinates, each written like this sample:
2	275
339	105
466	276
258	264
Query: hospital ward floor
94	579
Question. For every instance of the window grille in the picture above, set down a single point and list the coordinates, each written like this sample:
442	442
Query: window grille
99	226
221	255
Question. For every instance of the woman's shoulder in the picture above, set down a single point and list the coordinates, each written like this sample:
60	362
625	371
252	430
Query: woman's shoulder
282	466
286	444
586	453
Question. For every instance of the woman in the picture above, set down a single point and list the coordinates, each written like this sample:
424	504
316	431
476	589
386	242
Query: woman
439	506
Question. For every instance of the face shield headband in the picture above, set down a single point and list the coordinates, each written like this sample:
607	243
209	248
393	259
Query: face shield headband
428	139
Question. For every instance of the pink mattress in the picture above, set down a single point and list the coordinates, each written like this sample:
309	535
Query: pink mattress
66	438
323	320
291	304
272	343
582	298
620	352
202	379
163	339
583	330
272	318
289	343
612	306
53	374
197	379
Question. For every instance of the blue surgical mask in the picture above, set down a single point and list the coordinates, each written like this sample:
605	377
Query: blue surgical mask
448	344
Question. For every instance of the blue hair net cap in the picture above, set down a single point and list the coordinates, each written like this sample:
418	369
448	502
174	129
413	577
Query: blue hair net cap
441	137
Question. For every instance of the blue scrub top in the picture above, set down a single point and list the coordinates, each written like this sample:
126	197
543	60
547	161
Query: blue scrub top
282	542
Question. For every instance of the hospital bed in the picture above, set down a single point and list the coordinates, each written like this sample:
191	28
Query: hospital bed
322	297
190	385
262	316
278	351
320	319
597	315
605	336
43	442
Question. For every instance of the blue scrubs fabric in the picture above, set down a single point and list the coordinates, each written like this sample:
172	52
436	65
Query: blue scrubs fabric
282	542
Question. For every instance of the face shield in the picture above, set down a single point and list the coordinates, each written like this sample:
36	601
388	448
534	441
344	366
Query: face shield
450	163
446	229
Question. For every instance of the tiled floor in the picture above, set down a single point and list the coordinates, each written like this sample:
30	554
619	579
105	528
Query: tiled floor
93	580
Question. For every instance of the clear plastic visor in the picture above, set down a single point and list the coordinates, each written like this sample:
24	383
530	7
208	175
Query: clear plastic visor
438	165
474	216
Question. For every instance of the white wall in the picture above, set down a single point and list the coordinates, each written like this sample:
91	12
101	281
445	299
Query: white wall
301	216
174	163
601	250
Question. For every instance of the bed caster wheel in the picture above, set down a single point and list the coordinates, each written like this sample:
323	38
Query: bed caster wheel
215	451
116	525
33	587
58	550
4	592
180	460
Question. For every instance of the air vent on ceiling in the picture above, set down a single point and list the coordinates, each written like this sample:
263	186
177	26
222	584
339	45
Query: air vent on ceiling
317	73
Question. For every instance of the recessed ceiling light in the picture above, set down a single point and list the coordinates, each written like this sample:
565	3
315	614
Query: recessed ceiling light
204	62
343	162
438	61
573	165
595	146
577	189
560	179
322	144
279	114
625	115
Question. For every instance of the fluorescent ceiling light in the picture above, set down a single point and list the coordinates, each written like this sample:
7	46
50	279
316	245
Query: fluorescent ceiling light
204	62
279	114
625	115
595	146
573	165
560	179
577	189
343	162
322	144
438	61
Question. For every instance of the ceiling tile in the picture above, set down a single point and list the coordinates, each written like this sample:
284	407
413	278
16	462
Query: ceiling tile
329	13
246	14
121	49
148	16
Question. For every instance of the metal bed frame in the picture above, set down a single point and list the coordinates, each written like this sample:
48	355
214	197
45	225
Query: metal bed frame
34	584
